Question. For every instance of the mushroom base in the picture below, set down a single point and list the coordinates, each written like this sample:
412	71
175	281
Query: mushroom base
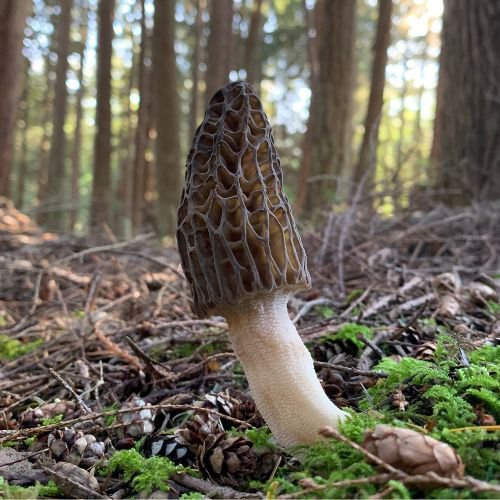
280	370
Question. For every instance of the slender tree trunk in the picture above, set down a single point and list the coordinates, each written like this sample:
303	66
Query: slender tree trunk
77	138
253	61
195	71
168	173
312	25
43	165
331	108
219	46
122	207
101	182
368	152
54	219
142	129
467	143
13	15
22	171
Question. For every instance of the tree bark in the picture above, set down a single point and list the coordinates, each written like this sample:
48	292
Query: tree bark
312	24
365	168
54	218
47	106
22	167
77	137
195	72
101	182
13	15
219	46
331	110
142	130
253	63
466	146
165	97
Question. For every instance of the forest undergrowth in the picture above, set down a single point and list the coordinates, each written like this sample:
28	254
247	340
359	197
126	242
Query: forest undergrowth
111	387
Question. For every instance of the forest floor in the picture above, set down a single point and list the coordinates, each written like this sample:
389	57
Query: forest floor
111	387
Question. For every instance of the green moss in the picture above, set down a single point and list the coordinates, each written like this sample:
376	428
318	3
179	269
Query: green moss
325	311
443	394
146	474
193	495
20	492
52	420
11	349
493	307
350	333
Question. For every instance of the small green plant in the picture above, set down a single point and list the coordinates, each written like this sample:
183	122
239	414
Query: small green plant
52	420
261	437
109	420
353	295
21	492
325	311
193	495
493	307
3	320
12	348
350	332
147	474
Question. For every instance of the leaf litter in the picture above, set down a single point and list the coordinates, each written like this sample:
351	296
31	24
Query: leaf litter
111	387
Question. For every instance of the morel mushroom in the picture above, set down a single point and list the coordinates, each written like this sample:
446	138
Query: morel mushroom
243	257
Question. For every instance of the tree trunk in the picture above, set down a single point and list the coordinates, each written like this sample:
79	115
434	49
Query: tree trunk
54	219
331	106
47	106
195	72
22	168
219	46
253	63
166	116
365	168
101	182
142	130
13	15
312	24
466	148
122	206
77	138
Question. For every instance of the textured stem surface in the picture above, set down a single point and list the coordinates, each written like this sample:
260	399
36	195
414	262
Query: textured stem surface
280	370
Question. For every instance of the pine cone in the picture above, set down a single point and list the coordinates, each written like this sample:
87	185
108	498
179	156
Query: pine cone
233	407
198	430
224	460
248	412
136	424
170	446
75	447
220	402
412	452
425	352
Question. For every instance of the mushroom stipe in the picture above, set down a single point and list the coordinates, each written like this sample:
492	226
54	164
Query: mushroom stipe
243	257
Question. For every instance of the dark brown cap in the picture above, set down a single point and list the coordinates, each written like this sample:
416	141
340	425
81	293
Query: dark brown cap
236	233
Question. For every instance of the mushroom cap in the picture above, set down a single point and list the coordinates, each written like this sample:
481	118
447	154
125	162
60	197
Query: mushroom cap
236	234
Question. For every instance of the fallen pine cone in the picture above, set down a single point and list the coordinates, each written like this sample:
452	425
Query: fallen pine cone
70	445
412	452
222	459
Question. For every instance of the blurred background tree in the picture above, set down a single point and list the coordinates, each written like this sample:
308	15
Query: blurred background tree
100	99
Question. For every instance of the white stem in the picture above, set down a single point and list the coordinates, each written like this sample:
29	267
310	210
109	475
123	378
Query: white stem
280	370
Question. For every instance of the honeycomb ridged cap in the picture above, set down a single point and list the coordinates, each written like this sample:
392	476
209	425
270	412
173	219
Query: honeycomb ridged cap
236	234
